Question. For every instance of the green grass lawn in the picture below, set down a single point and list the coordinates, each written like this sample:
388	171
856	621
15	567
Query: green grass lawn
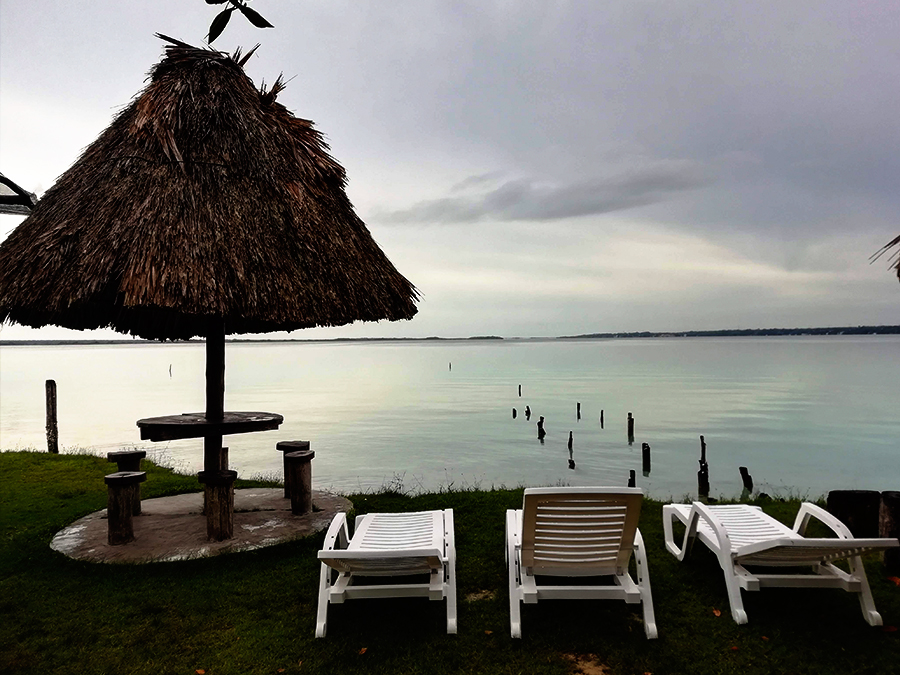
254	612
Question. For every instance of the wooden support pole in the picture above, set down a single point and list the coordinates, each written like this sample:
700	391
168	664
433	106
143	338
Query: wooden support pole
52	428
889	526
577	410
569	445
218	489
601	419
540	427
520	391
857	509
215	393
632	482
514	413
527	412
630	428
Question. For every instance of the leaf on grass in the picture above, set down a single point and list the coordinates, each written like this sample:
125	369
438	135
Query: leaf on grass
488	632
765	638
716	612
200	671
734	649
363	650
890	629
896	580
280	670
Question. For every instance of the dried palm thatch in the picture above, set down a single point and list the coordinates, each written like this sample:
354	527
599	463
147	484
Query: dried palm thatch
204	200
895	259
15	200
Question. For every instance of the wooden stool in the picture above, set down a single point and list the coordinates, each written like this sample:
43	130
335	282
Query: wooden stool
857	509
889	526
286	447
129	460
219	499
299	468
121	487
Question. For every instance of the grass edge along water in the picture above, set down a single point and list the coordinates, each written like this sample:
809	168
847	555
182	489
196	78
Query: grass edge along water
254	612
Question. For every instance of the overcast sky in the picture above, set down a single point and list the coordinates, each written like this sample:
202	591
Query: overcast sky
540	167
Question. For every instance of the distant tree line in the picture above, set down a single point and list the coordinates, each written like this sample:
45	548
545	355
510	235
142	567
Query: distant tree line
750	332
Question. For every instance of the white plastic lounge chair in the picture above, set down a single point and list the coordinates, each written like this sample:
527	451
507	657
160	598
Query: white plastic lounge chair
389	545
576	532
742	535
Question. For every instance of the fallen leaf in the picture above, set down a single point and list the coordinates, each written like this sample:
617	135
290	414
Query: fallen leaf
280	670
200	671
488	632
765	638
890	629
363	650
734	649
896	580
716	612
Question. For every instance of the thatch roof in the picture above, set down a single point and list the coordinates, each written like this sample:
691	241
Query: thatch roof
15	200
203	199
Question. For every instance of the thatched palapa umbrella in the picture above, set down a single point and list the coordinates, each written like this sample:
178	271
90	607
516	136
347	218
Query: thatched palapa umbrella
205	208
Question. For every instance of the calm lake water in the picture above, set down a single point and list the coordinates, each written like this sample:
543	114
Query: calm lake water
804	414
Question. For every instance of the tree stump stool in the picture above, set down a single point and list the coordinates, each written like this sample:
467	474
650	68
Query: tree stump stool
129	460
121	487
218	488
299	468
889	526
286	447
857	509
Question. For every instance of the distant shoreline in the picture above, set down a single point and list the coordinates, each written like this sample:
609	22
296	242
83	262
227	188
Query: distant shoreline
736	332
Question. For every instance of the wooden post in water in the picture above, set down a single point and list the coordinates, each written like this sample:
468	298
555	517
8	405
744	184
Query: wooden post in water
569	445
703	473
514	413
578	410
540	426
645	458
889	526
52	428
520	391
601	419
528	412
632	482
630	428
746	478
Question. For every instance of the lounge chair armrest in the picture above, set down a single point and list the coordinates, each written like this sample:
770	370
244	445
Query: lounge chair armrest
808	510
700	510
337	537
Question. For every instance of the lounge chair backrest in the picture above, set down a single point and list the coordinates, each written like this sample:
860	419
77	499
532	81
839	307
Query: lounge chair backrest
579	531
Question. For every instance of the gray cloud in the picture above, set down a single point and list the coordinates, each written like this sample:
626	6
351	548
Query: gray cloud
532	200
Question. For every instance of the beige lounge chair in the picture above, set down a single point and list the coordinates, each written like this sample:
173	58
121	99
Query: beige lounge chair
742	535
389	545
577	532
